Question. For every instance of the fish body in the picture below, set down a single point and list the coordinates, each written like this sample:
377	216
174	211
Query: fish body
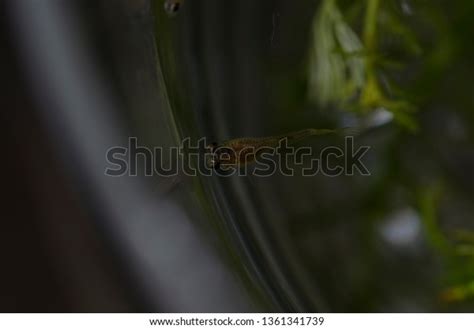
242	151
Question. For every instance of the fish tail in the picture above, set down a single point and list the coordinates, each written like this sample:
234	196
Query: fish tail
346	131
319	132
349	131
310	132
305	133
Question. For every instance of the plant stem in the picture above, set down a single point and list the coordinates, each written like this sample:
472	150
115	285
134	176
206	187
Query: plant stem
370	27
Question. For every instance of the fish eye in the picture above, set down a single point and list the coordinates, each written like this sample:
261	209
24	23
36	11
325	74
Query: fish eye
213	162
172	7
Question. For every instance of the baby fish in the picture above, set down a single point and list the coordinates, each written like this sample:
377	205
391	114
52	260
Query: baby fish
172	6
242	151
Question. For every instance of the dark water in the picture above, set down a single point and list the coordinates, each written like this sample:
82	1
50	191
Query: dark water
397	240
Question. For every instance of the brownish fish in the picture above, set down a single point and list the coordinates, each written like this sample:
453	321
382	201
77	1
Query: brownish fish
242	151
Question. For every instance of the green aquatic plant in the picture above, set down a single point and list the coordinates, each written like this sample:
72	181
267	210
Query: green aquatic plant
457	253
335	62
348	70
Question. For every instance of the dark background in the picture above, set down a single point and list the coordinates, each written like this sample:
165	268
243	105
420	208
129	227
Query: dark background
73	240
